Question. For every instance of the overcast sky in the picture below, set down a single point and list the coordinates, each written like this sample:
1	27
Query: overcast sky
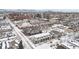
39	4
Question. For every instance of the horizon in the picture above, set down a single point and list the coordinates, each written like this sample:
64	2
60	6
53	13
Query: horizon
53	10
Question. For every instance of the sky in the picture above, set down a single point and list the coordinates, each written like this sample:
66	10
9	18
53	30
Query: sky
39	4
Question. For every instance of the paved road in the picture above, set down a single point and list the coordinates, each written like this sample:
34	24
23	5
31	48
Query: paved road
27	42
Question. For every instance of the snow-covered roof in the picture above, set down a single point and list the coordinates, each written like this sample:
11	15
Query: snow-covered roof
44	46
40	35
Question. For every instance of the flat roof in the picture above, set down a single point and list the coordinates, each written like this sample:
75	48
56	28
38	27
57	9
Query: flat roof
44	46
40	35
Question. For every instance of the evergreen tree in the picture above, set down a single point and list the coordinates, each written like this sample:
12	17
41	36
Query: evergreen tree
20	45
